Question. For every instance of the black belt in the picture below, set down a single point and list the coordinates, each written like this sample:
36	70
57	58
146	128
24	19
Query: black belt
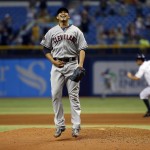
66	59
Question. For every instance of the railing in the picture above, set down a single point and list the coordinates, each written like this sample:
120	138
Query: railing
31	51
97	47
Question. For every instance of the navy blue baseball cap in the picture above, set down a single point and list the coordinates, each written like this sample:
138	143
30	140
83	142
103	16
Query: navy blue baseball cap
140	57
62	9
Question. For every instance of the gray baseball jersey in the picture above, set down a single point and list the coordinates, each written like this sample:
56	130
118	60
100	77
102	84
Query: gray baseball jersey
65	43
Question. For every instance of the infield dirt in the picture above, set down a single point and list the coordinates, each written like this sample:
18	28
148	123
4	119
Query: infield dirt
100	138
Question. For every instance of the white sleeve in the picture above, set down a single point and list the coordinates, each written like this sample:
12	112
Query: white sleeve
47	40
81	42
140	73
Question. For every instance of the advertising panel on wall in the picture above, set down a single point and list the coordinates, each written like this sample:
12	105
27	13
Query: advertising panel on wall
109	78
30	77
24	77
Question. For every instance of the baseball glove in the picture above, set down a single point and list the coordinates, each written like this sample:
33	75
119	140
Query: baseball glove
77	74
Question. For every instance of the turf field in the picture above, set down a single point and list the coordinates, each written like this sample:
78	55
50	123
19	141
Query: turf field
89	105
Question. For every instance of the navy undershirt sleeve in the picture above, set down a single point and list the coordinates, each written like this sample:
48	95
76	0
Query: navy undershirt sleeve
46	50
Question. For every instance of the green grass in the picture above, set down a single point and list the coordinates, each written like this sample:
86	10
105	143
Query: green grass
88	105
112	105
14	127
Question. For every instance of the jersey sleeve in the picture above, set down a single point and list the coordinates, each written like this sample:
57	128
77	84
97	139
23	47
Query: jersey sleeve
82	44
47	41
140	73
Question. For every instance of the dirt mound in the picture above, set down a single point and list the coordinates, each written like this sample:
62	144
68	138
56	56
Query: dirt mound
90	138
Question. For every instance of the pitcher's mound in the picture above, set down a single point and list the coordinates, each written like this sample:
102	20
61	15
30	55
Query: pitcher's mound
90	138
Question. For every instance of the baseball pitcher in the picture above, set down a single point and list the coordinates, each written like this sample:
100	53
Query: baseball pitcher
144	70
64	46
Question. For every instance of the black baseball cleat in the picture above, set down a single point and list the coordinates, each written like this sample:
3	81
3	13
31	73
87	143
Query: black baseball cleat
75	132
147	114
59	131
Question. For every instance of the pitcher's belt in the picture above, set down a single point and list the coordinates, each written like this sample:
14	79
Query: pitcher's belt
66	59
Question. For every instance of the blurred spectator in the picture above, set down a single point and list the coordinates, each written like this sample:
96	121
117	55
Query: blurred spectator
31	10
7	22
119	35
42	5
139	24
30	15
107	32
101	35
103	8
4	36
1	30
35	35
73	7
111	36
6	30
102	38
139	8
103	5
131	34
112	11
144	42
76	19
43	16
85	21
122	8
23	37
147	21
